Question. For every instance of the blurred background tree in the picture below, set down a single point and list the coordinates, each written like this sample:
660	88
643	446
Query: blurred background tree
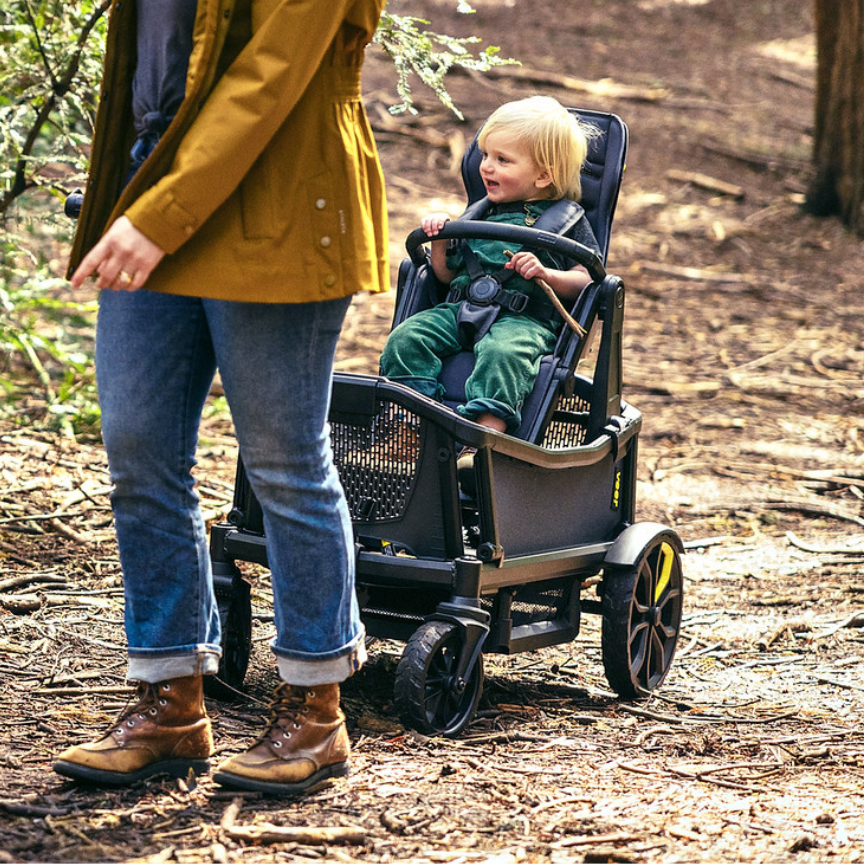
837	187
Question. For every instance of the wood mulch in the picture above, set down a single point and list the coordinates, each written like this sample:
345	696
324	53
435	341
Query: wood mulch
743	350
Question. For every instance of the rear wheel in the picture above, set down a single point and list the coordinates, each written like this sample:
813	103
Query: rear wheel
642	608
429	694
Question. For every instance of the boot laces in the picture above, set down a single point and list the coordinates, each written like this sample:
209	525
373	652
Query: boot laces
149	700
286	709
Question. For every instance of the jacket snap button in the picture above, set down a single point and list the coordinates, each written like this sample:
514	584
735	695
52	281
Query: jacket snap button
325	242
330	280
320	204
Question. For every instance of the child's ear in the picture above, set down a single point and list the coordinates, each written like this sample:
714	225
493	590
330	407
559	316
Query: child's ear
543	179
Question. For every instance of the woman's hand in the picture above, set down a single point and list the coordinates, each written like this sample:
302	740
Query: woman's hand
122	260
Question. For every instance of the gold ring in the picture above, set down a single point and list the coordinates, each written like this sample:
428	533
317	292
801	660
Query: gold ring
124	277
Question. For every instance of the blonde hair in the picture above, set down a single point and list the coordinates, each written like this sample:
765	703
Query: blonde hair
556	139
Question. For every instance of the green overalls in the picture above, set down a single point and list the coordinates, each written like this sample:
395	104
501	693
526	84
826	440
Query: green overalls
507	358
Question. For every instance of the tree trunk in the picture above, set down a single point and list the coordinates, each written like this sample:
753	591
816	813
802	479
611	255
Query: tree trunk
837	187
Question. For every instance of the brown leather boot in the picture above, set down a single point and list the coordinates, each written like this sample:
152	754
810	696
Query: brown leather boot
166	732
305	742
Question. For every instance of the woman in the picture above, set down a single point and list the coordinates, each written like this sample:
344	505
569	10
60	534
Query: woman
235	202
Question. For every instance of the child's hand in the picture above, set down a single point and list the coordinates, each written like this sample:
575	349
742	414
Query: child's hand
433	223
528	266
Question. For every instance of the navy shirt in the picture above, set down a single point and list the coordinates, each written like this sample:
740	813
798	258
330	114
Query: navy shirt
164	43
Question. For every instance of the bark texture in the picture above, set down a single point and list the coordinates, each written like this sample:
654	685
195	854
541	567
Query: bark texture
837	187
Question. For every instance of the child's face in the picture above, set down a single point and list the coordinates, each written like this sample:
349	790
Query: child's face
509	171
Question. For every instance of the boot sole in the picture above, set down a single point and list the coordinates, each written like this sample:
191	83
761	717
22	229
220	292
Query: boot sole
171	767
248	784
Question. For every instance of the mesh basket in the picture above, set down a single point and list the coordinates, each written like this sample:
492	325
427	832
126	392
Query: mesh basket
569	425
377	462
541	601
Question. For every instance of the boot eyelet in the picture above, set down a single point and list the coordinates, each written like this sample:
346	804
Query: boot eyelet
277	744
163	702
166	687
152	712
296	725
310	694
130	723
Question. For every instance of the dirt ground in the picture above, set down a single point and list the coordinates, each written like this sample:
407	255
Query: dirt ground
744	353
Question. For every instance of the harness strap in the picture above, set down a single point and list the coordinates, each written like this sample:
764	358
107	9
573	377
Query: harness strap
475	318
514	301
475	271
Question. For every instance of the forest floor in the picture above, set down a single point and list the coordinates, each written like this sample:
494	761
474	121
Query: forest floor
744	353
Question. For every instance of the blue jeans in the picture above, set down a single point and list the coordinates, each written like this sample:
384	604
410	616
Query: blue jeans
156	355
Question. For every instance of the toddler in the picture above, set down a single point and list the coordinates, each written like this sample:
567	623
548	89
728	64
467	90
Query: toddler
532	152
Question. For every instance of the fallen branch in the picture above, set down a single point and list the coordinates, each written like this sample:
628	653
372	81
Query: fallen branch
593	839
711	184
85	691
69	533
266	832
822	550
825	679
692	273
21	604
856	619
605	88
757	160
32	810
29	579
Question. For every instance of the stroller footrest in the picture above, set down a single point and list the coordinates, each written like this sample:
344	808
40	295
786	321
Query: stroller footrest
529	637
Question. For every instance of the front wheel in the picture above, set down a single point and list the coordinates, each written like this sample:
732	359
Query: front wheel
642	607
429	695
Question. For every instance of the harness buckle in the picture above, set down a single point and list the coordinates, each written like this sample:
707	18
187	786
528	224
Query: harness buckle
517	302
484	291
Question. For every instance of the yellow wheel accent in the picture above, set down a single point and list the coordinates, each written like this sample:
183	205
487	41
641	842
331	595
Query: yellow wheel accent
667	559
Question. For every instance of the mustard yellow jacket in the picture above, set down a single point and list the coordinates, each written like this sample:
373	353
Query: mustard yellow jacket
267	185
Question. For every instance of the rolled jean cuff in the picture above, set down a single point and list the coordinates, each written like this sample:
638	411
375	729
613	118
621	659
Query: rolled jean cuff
152	668
308	670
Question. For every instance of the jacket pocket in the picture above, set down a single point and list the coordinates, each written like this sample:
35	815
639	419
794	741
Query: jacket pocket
257	200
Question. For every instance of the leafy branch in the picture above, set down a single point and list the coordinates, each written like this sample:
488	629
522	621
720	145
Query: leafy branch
430	56
29	28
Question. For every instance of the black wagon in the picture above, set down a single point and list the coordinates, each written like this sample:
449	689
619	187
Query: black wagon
547	530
